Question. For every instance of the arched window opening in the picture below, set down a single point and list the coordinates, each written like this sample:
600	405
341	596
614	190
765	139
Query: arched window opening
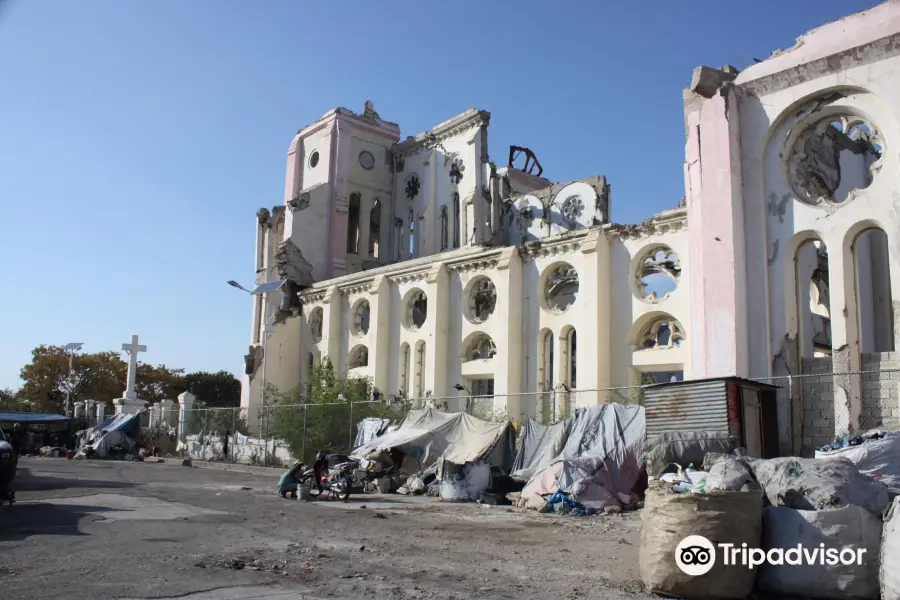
481	348
813	305
353	224
419	386
457	216
874	303
412	234
359	357
444	226
404	370
375	229
661	333
571	343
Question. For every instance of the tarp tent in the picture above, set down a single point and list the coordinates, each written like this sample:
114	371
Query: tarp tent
121	430
369	429
601	457
426	435
11	418
538	446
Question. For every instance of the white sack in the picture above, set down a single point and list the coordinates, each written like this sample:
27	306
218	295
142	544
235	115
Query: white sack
816	484
728	474
890	554
846	527
879	459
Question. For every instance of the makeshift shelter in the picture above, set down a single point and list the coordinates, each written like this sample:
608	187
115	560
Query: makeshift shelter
426	435
369	429
121	431
538	446
600	459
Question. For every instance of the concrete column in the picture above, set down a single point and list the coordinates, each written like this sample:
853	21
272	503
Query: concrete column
436	333
79	410
167	408
186	403
716	252
845	353
332	330
380	332
508	338
365	224
90	409
101	409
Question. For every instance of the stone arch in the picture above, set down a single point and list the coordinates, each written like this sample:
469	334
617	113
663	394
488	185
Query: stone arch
376	217
353	207
560	284
568	345
405	359
478	346
419	358
868	286
656	329
358	357
654	273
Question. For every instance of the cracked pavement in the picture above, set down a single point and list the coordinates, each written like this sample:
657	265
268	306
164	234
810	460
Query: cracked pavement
134	531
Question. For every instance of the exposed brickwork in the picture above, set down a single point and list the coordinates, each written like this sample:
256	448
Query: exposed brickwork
880	400
818	404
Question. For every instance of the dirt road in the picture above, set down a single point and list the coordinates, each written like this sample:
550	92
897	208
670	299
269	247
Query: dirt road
132	531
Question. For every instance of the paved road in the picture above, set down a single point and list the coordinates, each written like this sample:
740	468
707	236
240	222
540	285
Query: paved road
130	531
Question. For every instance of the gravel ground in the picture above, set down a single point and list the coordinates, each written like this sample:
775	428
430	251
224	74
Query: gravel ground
138	530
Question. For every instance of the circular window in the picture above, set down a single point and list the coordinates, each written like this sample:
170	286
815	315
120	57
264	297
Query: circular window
314	159
834	159
482	300
361	318
315	324
656	273
560	288
366	160
416	310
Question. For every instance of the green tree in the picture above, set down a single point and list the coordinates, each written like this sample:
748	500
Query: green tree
10	401
214	389
335	406
99	376
155	383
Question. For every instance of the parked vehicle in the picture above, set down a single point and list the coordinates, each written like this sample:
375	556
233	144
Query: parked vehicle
8	464
334	483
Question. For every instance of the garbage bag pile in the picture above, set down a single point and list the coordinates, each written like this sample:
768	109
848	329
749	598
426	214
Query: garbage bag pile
876	454
776	506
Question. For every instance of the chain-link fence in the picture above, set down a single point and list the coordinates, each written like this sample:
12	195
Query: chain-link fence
819	406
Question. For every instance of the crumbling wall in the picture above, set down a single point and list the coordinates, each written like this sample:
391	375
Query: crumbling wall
880	402
818	403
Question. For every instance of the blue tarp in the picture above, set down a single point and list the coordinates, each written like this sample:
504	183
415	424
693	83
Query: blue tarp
33	418
129	424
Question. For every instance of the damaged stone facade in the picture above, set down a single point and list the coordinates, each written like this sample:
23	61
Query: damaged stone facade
401	257
790	178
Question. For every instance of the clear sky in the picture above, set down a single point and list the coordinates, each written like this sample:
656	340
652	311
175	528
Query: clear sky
138	139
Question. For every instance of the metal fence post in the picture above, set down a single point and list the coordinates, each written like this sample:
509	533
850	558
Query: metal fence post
305	412
350	428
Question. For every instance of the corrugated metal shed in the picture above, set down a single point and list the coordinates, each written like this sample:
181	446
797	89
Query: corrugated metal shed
698	405
689	406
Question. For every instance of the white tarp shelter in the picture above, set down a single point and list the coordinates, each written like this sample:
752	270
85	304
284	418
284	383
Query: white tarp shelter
426	435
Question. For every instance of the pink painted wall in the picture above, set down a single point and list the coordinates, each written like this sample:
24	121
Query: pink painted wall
715	218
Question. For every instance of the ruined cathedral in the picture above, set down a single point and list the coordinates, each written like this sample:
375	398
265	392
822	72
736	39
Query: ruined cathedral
458	276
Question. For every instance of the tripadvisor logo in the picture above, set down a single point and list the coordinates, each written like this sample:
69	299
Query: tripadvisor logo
695	555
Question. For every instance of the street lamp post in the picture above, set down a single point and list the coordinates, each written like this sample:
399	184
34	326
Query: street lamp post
71	349
263	290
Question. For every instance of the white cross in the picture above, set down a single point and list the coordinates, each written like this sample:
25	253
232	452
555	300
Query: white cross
132	349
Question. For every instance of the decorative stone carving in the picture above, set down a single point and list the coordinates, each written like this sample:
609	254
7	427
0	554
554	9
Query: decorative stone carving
361	318
572	208
456	171
660	334
416	311
412	186
291	265
834	159
262	216
299	202
561	288
315	324
482	300
525	218
253	360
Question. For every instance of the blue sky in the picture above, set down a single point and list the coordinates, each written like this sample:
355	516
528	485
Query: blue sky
137	139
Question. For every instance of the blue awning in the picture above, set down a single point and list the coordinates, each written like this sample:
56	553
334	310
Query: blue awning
33	418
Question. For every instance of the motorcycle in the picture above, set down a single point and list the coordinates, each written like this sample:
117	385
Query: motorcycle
335	483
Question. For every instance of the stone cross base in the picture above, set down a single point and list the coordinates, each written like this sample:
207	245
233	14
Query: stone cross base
130	406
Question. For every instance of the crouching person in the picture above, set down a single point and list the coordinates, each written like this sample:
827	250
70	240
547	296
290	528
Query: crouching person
287	485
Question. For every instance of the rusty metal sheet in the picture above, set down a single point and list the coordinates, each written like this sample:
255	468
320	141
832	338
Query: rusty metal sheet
691	406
